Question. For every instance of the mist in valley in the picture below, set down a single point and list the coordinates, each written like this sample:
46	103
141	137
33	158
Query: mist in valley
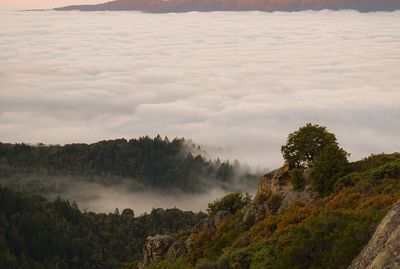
90	195
105	193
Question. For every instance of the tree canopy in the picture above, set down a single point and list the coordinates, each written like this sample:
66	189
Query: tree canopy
328	168
303	145
38	234
312	146
153	162
230	202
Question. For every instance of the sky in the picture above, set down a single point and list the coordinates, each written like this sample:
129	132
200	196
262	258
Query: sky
237	83
39	4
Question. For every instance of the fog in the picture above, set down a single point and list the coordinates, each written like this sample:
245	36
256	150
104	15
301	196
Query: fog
98	198
106	193
236	82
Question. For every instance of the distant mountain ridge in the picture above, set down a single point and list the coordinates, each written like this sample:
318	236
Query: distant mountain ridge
165	6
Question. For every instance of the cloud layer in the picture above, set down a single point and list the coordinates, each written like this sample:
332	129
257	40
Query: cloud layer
236	82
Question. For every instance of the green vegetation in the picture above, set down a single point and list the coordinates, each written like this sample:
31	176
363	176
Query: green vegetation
231	202
154	162
297	179
313	147
327	233
304	145
35	233
329	166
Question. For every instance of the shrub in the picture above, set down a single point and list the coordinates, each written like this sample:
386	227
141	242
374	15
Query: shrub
329	166
231	202
297	179
274	202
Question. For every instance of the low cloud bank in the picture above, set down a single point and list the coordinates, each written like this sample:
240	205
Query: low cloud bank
239	82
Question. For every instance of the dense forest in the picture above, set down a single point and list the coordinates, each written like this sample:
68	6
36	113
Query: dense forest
146	162
36	233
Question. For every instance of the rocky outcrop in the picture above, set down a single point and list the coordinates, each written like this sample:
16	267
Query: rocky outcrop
207	225
278	183
383	250
275	193
306	196
159	247
255	212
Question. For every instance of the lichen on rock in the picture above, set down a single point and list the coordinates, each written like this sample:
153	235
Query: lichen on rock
159	247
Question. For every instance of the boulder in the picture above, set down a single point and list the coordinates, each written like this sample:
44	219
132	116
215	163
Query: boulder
204	224
159	247
177	250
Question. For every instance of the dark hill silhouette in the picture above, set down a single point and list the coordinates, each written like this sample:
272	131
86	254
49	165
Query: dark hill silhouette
163	6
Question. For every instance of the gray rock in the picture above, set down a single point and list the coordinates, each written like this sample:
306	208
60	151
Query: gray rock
204	224
177	250
159	247
253	213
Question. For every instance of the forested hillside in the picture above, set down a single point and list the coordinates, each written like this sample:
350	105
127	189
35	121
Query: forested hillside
145	162
36	233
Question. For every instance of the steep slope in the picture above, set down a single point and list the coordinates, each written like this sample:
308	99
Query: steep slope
160	6
383	250
306	231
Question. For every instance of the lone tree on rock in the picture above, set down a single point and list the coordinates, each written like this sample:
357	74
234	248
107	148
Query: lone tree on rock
305	144
312	146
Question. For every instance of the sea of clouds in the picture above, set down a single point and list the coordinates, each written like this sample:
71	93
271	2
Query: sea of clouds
236	82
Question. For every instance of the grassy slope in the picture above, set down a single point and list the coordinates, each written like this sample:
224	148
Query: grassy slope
328	233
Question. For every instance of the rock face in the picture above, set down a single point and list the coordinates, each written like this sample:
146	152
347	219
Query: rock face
383	250
278	182
159	247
